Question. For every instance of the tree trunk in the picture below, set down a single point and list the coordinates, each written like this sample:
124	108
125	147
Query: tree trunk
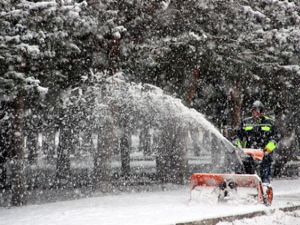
4	142
163	157
102	157
195	141
16	150
193	87
3	159
125	154
287	146
49	145
178	156
215	152
235	104
145	140
32	145
171	161
63	166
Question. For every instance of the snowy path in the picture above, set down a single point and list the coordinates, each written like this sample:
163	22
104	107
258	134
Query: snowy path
150	208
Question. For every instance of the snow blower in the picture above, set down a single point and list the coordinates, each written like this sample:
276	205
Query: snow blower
234	186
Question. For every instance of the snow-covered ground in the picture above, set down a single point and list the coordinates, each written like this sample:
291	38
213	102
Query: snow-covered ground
151	208
278	218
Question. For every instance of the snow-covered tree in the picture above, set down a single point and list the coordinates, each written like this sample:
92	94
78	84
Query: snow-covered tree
43	47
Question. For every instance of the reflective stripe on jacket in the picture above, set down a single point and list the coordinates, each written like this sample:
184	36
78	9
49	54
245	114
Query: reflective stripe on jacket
257	134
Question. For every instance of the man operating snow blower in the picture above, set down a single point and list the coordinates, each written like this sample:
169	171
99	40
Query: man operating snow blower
256	141
258	132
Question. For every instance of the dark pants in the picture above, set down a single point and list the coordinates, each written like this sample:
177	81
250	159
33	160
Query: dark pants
249	165
265	168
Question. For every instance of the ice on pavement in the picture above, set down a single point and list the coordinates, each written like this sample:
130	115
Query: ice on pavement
148	208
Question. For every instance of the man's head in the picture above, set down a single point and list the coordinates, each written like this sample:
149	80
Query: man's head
257	109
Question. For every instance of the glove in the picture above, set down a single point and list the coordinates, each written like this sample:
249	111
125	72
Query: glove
266	152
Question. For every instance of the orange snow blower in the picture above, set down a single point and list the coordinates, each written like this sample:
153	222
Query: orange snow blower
226	185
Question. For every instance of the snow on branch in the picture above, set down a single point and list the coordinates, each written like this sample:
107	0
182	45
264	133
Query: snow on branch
39	5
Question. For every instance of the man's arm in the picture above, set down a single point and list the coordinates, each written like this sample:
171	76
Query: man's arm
273	139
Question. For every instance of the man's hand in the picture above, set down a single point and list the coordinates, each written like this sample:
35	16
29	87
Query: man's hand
266	152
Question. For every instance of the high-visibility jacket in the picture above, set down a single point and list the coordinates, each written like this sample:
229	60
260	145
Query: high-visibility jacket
260	134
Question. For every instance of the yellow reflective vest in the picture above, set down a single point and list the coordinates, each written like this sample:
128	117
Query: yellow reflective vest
257	134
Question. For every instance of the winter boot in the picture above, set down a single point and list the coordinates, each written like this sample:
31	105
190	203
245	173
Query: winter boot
267	193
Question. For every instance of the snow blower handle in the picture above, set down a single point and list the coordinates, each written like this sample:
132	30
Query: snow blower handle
256	154
238	151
